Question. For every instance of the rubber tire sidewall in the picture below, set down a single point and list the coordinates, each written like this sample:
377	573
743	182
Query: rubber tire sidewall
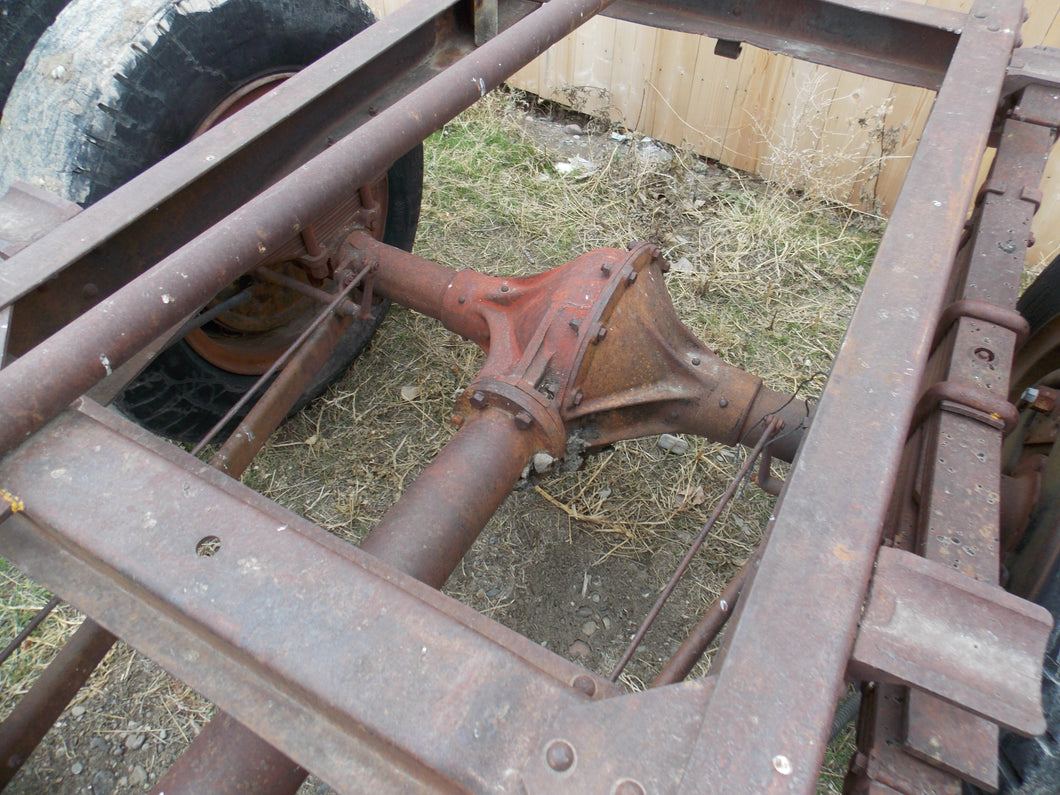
111	88
1031	765
21	24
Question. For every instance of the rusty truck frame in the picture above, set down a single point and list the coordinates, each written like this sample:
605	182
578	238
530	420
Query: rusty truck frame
915	475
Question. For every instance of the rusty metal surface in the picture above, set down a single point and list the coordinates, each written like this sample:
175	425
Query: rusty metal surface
50	694
294	379
313	345
410	691
1033	66
33	623
26	214
222	622
825	535
48	378
226	758
951	739
705	631
427	532
961	488
773	426
880	765
36	711
662	719
162	209
592	348
899	41
967	642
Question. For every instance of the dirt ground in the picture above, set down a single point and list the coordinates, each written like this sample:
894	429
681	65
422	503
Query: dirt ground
573	560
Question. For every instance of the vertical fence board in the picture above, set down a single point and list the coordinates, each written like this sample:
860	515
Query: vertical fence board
847	136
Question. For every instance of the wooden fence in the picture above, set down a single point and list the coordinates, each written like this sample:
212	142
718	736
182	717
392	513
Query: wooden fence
804	126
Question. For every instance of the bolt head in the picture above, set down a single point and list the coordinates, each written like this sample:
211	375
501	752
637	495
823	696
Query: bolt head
632	278
628	786
601	333
523	420
606	268
479	399
559	755
579	396
1042	399
584	684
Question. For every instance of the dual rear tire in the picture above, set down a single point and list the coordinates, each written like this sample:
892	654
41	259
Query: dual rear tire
97	92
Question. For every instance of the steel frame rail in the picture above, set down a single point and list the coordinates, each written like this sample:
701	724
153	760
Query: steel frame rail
413	691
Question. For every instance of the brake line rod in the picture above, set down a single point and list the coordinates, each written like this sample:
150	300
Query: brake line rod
340	297
772	427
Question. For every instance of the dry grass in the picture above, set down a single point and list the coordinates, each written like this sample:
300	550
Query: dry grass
810	156
766	279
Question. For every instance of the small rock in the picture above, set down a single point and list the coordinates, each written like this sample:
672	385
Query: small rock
620	137
673	444
493	592
542	462
103	782
76	768
77	711
653	154
607	622
123	781
589	628
573	129
595	597
138	776
579	649
584	612
410	393
575	163
134	741
99	745
683	265
312	440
